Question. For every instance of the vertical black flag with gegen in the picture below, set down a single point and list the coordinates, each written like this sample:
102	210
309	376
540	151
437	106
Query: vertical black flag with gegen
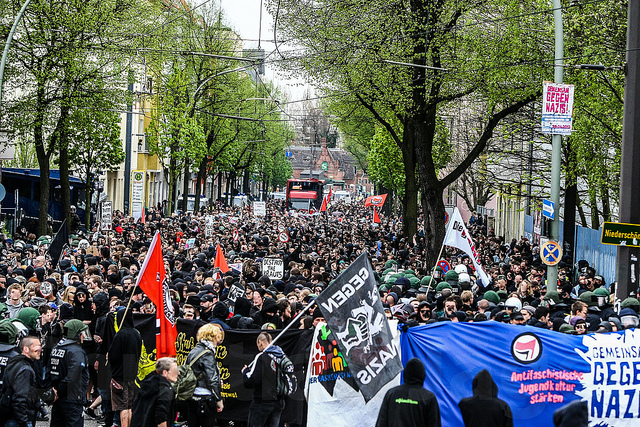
353	310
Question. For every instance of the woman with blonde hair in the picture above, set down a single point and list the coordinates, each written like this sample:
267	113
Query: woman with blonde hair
207	397
69	295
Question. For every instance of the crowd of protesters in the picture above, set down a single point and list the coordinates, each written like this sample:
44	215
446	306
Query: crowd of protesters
65	307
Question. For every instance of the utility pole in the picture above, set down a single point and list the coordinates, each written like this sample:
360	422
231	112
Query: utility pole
627	271
556	154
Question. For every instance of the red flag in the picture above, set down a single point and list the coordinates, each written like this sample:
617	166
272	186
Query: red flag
142	218
375	200
152	280
220	262
323	208
376	218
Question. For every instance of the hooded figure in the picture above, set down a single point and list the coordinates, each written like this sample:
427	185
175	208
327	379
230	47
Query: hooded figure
484	408
220	314
410	404
82	310
242	308
268	314
575	414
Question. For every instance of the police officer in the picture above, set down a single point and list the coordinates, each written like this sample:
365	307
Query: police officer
8	343
70	375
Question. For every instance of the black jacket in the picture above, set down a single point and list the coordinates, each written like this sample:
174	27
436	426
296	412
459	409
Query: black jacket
69	371
154	403
125	349
206	370
261	317
5	356
261	376
410	404
484	409
20	382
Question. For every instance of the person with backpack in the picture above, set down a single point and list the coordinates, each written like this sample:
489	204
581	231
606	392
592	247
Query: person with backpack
207	395
268	382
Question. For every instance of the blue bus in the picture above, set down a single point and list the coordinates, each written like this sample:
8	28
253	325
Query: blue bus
27	182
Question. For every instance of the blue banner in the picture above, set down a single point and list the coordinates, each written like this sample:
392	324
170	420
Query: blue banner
537	371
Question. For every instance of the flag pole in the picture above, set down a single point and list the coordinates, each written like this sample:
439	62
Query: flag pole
434	268
293	321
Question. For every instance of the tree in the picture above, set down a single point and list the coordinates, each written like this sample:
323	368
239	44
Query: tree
96	146
479	52
174	136
65	53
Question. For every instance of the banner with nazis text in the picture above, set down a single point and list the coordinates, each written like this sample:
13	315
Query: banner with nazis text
333	396
353	310
536	371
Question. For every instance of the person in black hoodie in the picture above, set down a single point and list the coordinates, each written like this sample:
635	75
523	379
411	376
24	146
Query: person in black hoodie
242	308
219	315
268	314
575	414
123	357
82	305
154	404
484	409
410	404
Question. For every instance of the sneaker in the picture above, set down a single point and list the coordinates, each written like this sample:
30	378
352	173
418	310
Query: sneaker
91	413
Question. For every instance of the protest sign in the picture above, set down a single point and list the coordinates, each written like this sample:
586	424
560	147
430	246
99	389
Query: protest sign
273	268
537	371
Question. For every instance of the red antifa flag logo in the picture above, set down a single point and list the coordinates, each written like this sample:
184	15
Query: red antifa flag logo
526	348
375	200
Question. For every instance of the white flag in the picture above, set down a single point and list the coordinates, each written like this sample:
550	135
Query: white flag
458	237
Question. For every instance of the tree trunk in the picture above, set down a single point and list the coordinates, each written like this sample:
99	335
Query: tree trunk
45	183
219	186
88	192
185	186
202	169
65	186
410	201
245	182
227	188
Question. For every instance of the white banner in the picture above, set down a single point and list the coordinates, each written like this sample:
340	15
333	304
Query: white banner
259	209
458	236
331	396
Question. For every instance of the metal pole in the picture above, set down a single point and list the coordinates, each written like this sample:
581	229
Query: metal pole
627	269
554	229
5	53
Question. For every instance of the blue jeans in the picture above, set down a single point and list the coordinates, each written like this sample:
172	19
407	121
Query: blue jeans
265	414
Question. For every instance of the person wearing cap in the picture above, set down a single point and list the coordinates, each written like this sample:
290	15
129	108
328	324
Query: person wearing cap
207	302
20	383
410	404
69	372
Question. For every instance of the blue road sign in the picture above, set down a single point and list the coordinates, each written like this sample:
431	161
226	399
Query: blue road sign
288	153
548	209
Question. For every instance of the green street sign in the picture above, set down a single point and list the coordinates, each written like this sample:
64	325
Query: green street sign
619	234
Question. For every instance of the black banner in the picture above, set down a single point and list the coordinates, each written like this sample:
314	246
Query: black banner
352	308
239	349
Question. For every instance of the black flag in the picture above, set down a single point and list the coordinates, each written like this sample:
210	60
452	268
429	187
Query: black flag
59	242
352	308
